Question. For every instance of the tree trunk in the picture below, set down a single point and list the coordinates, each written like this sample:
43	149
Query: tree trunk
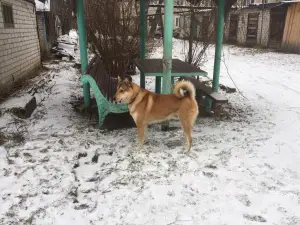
191	38
157	19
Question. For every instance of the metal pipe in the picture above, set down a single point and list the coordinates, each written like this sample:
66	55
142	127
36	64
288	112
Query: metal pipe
218	53
219	42
168	35
143	35
83	48
180	6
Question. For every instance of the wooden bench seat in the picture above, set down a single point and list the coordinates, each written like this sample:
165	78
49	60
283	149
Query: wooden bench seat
208	91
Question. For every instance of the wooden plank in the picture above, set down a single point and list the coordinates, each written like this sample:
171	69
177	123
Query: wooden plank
218	97
156	66
207	90
291	39
253	23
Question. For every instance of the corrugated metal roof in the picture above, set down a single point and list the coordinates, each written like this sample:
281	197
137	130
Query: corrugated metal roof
267	5
290	1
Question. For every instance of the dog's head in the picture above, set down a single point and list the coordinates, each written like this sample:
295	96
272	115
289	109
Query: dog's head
124	90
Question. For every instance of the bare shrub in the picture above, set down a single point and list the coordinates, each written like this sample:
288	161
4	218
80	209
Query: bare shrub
200	33
200	39
113	33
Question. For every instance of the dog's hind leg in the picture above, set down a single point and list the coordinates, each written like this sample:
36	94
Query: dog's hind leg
187	128
187	123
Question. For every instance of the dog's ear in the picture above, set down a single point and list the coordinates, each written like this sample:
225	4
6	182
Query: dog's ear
128	79
119	79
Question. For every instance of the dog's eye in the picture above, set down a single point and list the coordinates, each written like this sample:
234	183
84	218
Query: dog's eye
121	91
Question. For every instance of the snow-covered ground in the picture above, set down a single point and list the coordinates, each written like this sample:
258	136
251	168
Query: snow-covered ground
241	170
42	6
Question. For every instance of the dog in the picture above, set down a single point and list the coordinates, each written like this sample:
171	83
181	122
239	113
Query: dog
147	107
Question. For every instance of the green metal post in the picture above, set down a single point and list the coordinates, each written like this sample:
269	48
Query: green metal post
167	58
218	51
83	48
143	36
168	35
219	42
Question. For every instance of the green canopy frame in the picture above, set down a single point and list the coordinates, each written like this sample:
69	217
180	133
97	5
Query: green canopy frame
167	48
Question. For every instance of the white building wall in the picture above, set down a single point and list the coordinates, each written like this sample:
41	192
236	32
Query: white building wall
19	45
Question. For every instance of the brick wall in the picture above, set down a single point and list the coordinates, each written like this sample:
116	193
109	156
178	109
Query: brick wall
19	45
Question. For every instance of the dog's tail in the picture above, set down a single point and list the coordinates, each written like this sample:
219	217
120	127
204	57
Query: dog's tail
184	89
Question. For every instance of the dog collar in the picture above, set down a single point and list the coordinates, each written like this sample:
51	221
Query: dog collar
134	97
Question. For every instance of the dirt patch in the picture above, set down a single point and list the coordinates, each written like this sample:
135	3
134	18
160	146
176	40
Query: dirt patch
15	138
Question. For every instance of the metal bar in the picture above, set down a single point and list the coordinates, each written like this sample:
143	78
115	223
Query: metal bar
83	48
219	42
167	58
218	52
158	14
203	74
168	35
143	35
181	6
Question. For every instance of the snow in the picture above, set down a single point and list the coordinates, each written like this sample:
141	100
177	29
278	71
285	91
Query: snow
291	1
241	170
67	45
41	6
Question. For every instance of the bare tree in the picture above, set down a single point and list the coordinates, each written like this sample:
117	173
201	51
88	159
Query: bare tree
113	32
200	33
157	20
200	39
64	9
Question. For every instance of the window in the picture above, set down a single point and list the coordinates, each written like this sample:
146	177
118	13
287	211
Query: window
252	28
177	21
246	2
7	12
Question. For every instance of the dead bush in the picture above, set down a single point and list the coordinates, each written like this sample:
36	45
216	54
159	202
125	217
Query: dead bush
113	33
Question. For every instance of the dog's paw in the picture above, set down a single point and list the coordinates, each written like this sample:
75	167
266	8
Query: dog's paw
187	150
140	147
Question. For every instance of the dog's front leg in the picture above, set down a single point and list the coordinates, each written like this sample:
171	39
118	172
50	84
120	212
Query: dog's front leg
146	133
141	135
